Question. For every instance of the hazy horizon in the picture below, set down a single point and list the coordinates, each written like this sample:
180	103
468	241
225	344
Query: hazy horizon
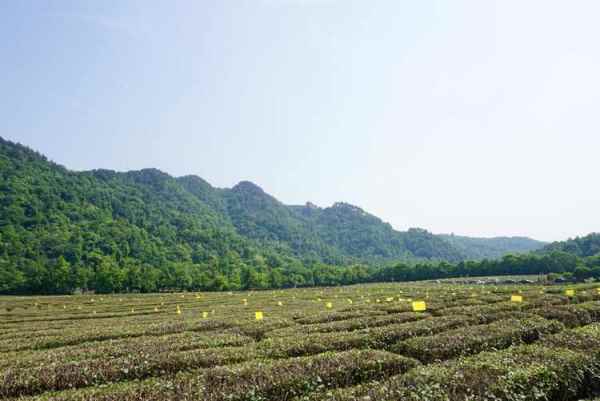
473	118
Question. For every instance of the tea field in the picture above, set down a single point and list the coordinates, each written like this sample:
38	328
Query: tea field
409	341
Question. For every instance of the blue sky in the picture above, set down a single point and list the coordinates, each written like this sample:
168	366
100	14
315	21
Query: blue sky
473	117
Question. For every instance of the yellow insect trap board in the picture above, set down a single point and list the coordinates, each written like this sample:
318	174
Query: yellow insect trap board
419	306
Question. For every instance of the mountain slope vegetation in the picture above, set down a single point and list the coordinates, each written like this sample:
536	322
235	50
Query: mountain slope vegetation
492	248
582	247
144	230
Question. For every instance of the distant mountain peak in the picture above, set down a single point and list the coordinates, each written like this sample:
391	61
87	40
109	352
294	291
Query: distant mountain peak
196	180
347	206
418	230
248	186
152	176
310	205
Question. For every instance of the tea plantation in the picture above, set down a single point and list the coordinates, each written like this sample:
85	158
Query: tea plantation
362	343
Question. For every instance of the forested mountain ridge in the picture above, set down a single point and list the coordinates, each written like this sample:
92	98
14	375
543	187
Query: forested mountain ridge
261	217
61	230
360	234
583	247
145	230
491	248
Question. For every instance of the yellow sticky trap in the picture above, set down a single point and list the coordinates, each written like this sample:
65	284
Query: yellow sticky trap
419	306
132	310
598	290
570	293
279	303
155	309
204	315
178	311
349	301
258	315
329	305
516	298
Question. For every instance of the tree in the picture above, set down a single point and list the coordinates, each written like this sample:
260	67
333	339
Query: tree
11	279
582	272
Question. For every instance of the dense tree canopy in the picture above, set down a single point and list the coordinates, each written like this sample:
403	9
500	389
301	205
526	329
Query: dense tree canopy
580	246
63	231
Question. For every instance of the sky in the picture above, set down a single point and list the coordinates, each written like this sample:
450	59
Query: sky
474	117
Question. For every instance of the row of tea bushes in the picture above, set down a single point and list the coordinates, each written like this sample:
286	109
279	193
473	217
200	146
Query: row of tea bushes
60	376
254	380
572	315
377	337
562	366
523	373
474	339
185	341
363	322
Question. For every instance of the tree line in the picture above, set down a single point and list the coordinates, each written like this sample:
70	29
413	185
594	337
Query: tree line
102	275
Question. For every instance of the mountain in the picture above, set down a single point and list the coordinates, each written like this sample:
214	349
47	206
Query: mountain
582	247
146	230
492	248
361	235
338	234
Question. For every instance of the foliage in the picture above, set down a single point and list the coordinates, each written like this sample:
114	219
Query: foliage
137	347
492	248
583	247
144	231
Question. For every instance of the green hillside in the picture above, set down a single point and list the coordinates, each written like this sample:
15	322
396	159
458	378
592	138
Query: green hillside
496	247
359	234
145	230
582	247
